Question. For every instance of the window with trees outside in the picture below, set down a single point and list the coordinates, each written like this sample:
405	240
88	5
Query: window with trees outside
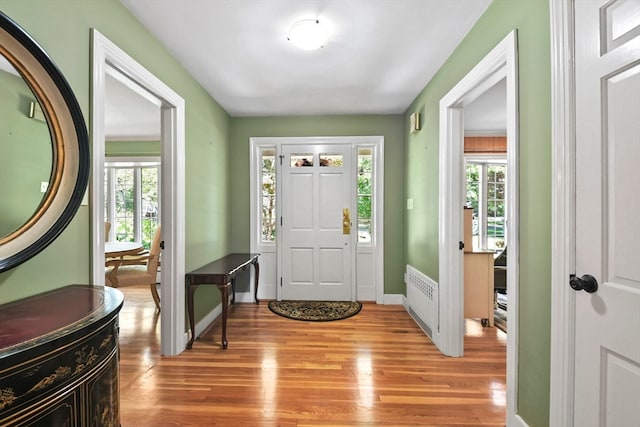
365	194
132	200
485	194
268	196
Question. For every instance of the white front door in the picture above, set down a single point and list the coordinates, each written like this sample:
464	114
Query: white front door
317	212
607	321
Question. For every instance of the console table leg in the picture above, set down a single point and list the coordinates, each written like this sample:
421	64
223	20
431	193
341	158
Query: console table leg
191	291
256	268
224	291
233	290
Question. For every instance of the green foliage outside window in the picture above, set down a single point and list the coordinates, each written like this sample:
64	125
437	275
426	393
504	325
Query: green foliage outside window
125	203
268	199
494	199
149	177
364	197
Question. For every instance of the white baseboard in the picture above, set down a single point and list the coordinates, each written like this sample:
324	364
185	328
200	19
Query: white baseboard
205	322
245	297
393	299
405	302
517	422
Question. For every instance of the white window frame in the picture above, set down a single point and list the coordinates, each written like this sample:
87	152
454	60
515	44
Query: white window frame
261	150
485	160
135	163
374	187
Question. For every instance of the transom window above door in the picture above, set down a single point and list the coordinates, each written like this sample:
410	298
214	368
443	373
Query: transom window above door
309	159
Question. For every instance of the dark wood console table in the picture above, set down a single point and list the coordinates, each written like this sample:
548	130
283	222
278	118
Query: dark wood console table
59	358
221	273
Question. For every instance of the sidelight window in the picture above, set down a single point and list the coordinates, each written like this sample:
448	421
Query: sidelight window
268	195
365	195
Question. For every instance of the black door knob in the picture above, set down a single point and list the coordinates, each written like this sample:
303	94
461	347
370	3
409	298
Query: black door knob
586	282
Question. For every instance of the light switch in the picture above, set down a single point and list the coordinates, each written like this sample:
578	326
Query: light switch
44	185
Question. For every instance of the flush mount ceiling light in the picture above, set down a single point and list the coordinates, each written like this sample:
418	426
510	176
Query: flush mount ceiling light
308	34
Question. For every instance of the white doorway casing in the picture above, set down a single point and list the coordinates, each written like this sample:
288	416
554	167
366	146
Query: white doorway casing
500	63
563	209
107	56
368	271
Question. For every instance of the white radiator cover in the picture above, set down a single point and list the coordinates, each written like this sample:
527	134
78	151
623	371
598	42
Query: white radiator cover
422	298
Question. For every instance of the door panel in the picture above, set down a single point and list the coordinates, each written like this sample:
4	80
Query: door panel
301	187
317	255
623	121
607	324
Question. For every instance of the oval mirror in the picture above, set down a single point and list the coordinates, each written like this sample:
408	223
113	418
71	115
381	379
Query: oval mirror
52	155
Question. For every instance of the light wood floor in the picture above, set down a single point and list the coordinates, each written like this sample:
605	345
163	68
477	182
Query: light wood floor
374	369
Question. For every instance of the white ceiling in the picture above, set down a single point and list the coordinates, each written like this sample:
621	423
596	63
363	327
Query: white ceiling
380	53
131	113
487	115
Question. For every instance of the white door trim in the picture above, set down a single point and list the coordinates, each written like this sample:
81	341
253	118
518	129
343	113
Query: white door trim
107	55
500	63
561	397
377	145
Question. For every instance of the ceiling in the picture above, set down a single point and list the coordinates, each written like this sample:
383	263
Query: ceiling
131	113
379	56
487	114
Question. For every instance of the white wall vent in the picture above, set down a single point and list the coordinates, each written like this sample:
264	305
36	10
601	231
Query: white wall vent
422	298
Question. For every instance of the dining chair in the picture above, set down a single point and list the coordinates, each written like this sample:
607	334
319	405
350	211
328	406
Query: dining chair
139	269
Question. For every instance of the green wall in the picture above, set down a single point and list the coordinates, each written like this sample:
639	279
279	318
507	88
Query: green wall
389	126
531	19
63	29
132	148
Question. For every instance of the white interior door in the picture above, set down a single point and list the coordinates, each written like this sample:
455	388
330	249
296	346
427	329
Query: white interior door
607	322
317	208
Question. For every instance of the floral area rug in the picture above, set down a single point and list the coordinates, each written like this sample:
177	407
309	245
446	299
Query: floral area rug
316	311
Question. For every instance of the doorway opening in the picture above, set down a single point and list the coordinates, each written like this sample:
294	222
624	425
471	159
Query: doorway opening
486	177
110	60
499	64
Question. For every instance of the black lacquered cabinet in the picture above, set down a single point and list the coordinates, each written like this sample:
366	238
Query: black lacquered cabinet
59	358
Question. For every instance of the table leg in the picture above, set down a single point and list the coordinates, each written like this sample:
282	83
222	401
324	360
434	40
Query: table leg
191	289
224	291
256	267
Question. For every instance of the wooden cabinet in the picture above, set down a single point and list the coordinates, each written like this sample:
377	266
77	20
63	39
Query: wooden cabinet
478	277
468	229
59	358
478	286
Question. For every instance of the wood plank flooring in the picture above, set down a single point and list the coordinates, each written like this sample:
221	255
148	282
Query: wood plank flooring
374	369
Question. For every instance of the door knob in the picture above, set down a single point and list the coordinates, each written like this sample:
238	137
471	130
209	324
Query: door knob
586	282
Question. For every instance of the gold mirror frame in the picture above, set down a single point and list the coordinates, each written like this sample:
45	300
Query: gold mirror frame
70	147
